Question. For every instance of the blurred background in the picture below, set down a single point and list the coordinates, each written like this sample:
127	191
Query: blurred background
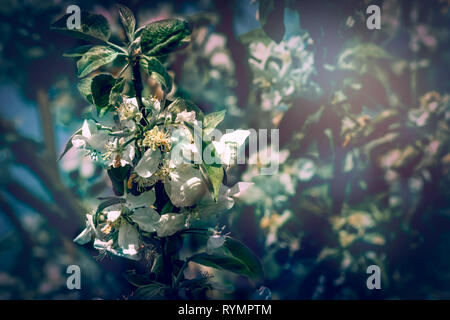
364	122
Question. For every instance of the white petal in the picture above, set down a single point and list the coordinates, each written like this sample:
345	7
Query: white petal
170	223
306	169
230	145
102	245
79	141
89	127
207	206
128	239
214	242
128	154
185	116
113	215
146	218
84	237
185	186
98	140
144	199
239	189
107	245
132	101
149	163
237	136
183	150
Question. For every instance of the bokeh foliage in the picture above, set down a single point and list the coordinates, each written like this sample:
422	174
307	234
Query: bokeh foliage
364	144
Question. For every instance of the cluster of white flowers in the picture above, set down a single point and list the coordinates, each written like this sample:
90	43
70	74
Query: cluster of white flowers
282	71
161	150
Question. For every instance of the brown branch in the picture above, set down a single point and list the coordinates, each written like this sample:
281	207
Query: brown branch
47	128
8	211
26	152
237	50
49	211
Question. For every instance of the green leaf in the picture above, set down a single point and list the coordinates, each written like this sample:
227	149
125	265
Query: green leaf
248	263
151	291
68	145
95	58
116	91
128	21
84	87
215	174
221	262
212	120
138	32
241	252
93	27
168	207
158	72
101	87
165	36
138	279
78	51
214	170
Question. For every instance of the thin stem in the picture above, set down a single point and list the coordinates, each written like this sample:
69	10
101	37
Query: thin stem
123	70
117	47
138	87
181	273
166	263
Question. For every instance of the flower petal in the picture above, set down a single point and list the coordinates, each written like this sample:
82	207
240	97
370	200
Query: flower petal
128	239
149	163
146	218
230	145
214	242
170	223
185	186
144	199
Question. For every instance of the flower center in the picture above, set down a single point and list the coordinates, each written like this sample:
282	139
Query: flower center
155	139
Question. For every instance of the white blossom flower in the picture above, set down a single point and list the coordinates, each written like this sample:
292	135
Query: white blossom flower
185	185
108	246
91	138
184	148
86	235
282	71
118	153
128	242
75	160
225	199
230	145
144	215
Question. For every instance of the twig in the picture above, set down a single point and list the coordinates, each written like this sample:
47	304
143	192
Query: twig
237	50
138	87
